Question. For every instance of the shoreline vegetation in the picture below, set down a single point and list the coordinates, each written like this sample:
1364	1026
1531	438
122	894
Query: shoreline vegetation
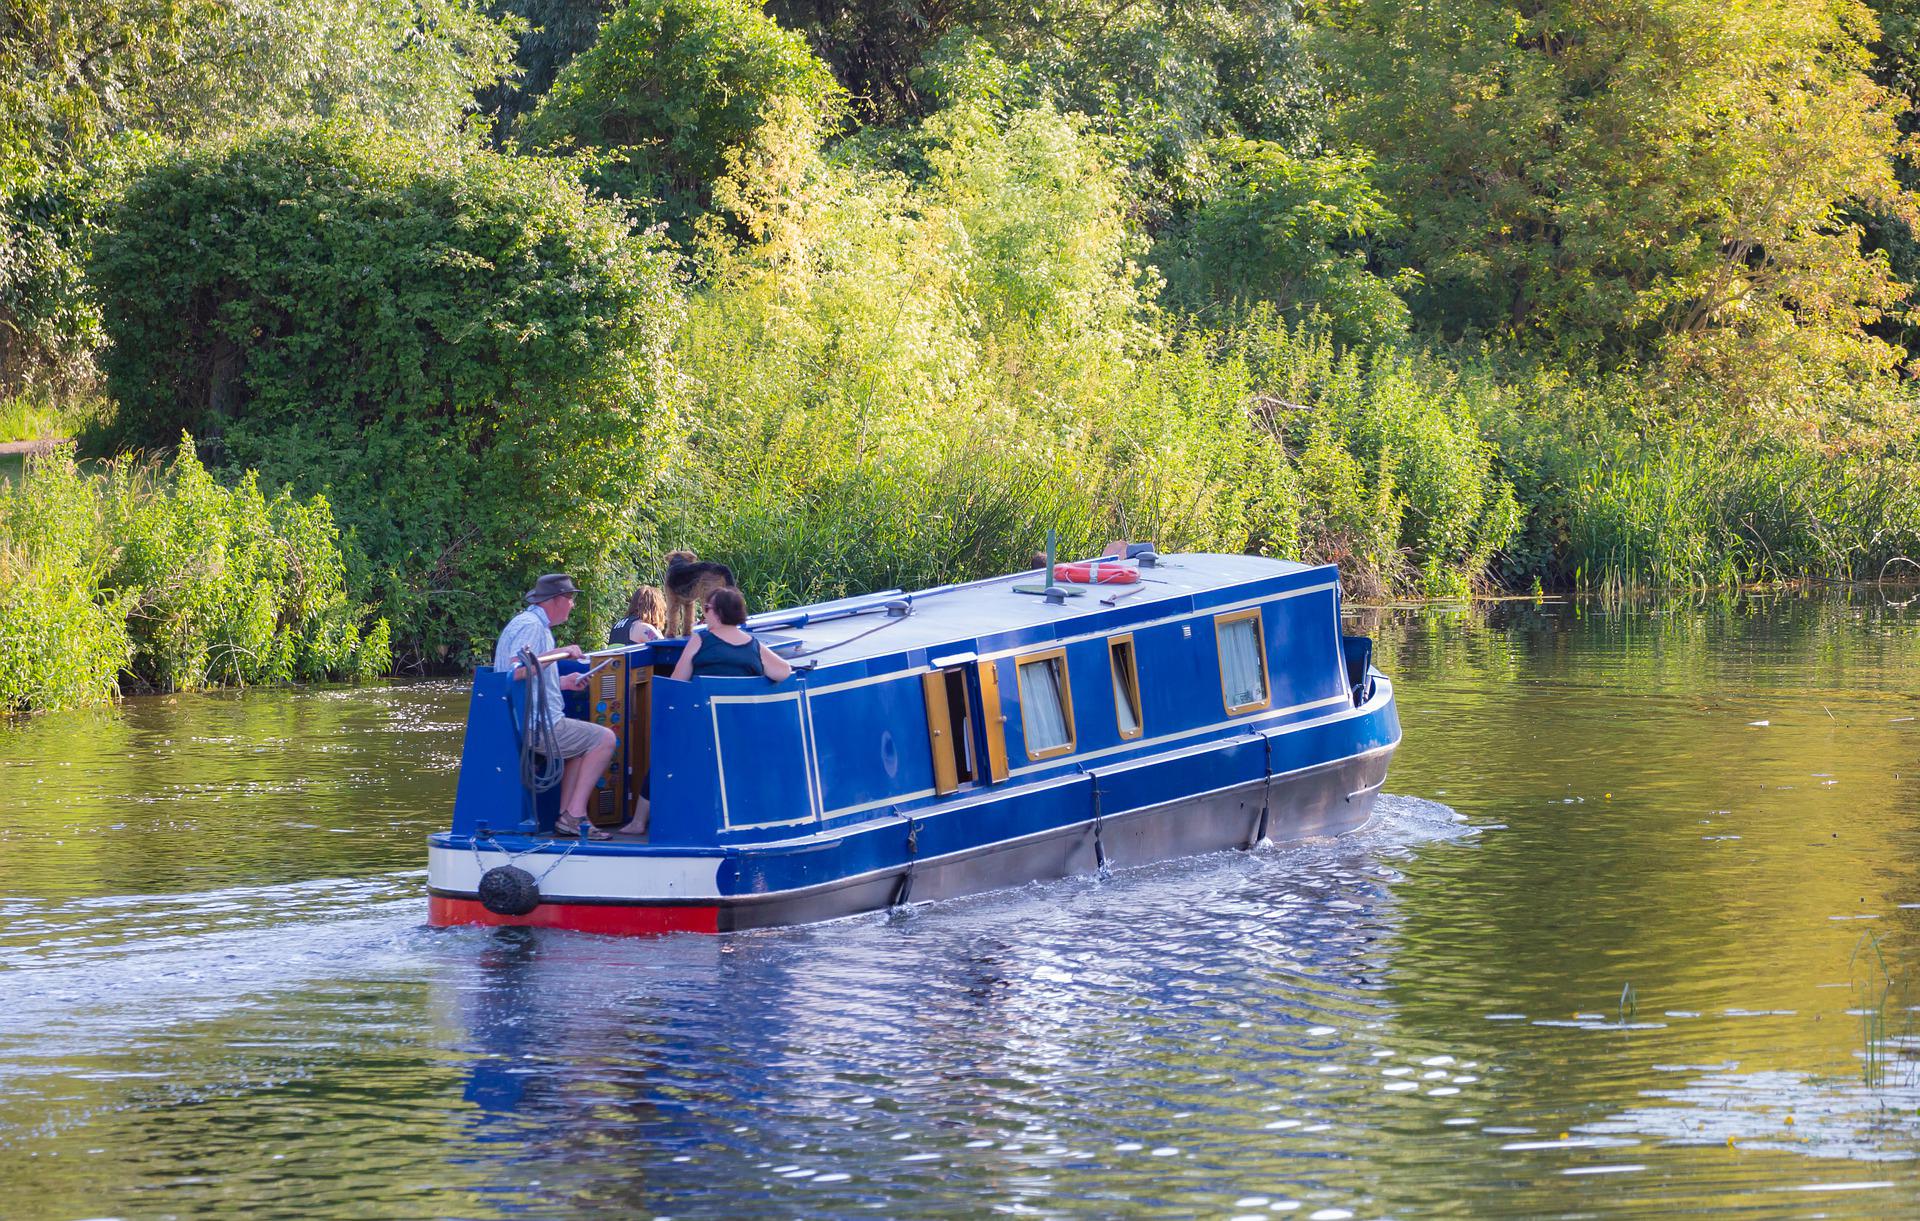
360	324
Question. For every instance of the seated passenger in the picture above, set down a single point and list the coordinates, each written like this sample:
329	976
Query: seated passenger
646	611
722	649
584	746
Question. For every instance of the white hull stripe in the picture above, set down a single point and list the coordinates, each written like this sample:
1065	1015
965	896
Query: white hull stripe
458	870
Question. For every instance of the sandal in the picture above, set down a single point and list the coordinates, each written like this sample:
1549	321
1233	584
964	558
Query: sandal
569	825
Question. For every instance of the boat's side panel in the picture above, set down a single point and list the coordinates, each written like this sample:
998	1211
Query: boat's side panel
1323	801
489	792
685	799
871	743
760	741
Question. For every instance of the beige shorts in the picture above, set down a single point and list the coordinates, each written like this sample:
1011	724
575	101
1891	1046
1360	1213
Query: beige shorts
572	738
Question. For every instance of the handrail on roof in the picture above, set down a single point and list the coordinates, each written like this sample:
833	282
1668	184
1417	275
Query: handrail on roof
862	604
823	612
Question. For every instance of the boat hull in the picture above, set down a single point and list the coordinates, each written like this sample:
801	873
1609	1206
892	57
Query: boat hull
1318	801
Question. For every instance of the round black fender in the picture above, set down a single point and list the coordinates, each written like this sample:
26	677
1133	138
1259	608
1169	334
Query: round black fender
508	890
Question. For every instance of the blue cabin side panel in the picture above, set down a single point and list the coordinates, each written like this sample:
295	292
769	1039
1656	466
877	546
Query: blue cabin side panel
1304	660
683	784
489	792
761	749
872	745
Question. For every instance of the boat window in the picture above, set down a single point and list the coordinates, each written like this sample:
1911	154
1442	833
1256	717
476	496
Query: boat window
1126	686
1243	662
1046	704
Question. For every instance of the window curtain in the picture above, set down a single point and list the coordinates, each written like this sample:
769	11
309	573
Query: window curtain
1123	698
1240	672
1045	720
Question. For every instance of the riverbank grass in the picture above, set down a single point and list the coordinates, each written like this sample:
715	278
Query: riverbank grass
134	575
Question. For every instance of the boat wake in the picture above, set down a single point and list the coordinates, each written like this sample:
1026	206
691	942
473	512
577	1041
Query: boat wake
93	972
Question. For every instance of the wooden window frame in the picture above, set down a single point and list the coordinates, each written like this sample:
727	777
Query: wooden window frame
1066	703
1132	689
1220	622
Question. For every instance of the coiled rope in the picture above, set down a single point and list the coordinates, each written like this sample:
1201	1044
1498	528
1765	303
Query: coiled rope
536	733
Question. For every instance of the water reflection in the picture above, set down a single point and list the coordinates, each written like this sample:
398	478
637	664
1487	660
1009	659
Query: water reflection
1663	964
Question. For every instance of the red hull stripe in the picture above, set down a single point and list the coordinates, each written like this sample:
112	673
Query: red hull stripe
616	919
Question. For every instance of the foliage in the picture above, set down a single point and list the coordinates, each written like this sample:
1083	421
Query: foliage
669	89
49	326
902	382
72	74
88	86
1293	232
1617	499
172	580
1420	502
1657	176
552	32
1509	293
63	640
899	382
458	347
32	418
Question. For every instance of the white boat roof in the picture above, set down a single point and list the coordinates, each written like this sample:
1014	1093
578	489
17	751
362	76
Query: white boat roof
858	629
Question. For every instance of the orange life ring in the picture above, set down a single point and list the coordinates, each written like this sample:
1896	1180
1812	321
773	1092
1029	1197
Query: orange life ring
1096	572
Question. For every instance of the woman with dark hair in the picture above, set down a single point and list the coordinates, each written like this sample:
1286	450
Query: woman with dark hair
723	649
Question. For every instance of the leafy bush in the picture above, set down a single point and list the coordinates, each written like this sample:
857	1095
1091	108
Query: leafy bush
669	89
1292	232
172	580
87	86
63	640
1415	432
901	383
460	348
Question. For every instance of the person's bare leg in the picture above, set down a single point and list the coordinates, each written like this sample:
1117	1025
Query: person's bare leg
570	784
576	781
642	812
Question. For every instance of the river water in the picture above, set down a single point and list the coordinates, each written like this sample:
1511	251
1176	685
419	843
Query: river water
1635	933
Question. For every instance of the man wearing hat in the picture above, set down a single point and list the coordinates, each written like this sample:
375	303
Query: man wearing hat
586	747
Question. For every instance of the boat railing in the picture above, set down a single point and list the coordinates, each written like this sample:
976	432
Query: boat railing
885	600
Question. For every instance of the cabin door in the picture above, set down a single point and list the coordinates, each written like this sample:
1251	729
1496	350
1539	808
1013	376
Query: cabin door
949	727
963	715
617	697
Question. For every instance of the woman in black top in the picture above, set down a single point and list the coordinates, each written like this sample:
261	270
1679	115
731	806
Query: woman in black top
646	611
724	649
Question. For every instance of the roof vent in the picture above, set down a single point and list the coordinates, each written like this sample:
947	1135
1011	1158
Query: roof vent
899	608
1148	558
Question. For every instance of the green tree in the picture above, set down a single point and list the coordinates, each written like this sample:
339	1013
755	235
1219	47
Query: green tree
552	33
669	90
1896	66
86	84
1655	175
1294	232
458	347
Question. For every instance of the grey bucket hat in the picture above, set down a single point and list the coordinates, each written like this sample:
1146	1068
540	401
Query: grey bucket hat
553	585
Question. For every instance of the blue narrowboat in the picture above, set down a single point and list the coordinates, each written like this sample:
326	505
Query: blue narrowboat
935	744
